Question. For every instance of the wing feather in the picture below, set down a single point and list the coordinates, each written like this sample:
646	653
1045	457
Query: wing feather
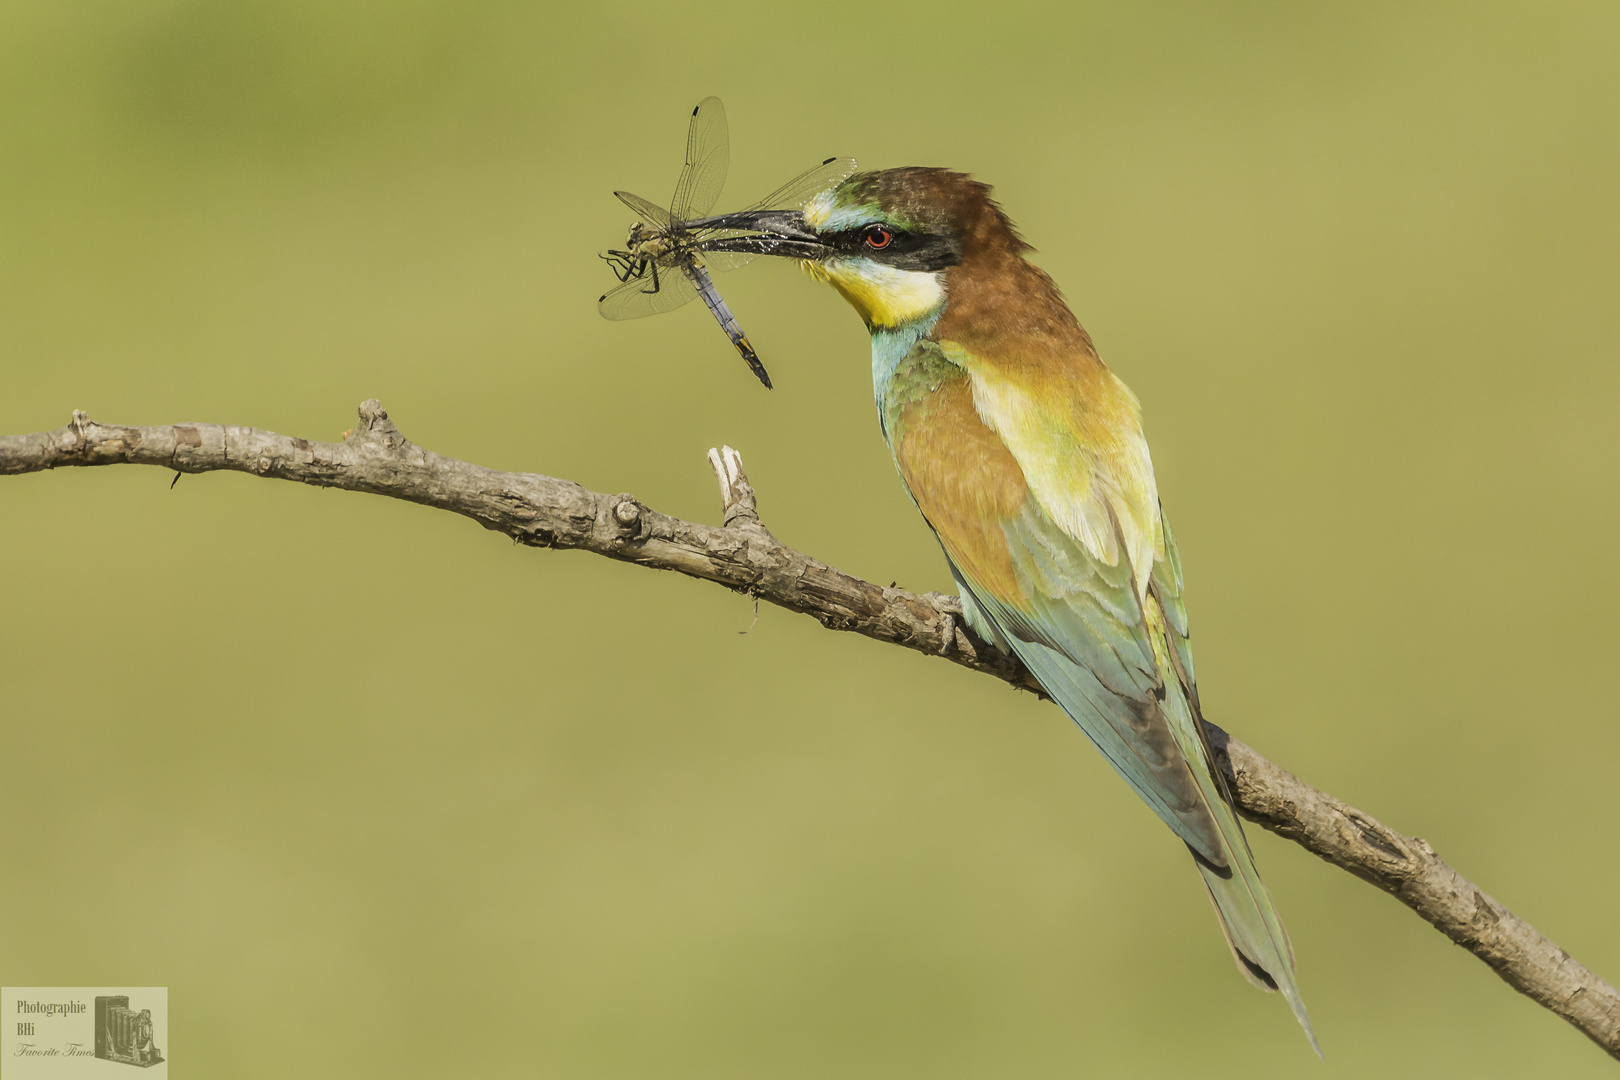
1084	637
1082	581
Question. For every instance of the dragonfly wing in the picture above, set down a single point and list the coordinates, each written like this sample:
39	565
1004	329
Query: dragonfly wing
749	246
708	155
806	186
728	260
651	213
790	196
636	298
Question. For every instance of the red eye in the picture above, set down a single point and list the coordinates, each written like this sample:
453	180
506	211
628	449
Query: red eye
878	237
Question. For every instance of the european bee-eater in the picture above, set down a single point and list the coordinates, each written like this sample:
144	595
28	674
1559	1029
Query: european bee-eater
1027	458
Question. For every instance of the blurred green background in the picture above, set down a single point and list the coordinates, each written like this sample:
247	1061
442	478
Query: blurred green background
374	792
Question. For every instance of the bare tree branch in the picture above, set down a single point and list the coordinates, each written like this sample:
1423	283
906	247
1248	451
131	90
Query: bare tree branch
742	555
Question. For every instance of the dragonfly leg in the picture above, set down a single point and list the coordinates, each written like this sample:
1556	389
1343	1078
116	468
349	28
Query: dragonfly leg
615	262
624	265
649	264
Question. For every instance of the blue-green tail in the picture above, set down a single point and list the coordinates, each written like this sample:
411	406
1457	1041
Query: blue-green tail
1247	915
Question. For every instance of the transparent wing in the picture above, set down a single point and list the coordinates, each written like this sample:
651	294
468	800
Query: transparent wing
636	298
727	249
654	215
729	260
806	186
708	155
790	196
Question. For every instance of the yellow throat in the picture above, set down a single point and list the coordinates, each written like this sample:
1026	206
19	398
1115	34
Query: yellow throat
885	296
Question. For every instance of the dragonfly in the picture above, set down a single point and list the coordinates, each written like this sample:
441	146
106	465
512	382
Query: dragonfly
666	259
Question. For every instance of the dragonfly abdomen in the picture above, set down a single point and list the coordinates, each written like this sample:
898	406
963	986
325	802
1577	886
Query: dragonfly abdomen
716	304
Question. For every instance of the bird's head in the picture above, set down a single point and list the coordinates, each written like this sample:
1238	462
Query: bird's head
891	241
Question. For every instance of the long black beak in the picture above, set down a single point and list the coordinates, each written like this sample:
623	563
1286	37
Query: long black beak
781	232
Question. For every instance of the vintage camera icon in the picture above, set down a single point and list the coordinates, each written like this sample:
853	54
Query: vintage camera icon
123	1034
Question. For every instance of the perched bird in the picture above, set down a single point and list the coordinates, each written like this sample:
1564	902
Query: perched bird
1027	458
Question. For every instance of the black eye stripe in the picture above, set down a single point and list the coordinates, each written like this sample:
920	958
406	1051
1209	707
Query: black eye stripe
859	240
905	249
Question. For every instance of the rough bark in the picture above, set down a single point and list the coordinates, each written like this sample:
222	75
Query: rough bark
742	555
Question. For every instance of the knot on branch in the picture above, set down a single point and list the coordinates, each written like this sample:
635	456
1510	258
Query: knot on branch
952	622
626	511
375	425
92	442
1383	840
629	517
83	429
